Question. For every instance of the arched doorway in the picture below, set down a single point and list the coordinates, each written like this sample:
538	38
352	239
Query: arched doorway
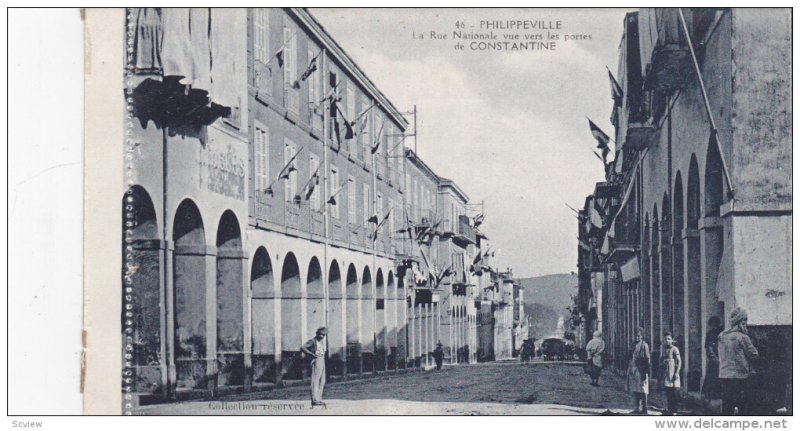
231	265
353	314
142	325
391	321
190	284
678	304
402	321
337	335
291	319
367	321
655	279
666	266
380	322
647	284
262	287
712	235
694	297
315	303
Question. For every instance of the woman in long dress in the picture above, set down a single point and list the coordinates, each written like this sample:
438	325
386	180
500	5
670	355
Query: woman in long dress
639	372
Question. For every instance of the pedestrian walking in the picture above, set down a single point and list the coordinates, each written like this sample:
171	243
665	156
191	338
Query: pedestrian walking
637	379
594	350
438	355
711	381
736	355
315	349
670	372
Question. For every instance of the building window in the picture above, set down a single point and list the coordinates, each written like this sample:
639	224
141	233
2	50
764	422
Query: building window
261	50
313	165
261	158
335	187
351	201
366	205
350	114
333	80
315	89
363	130
290	66
290	183
387	141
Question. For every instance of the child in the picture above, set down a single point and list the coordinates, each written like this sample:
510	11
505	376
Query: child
670	373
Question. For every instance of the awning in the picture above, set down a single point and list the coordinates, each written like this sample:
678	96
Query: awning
630	270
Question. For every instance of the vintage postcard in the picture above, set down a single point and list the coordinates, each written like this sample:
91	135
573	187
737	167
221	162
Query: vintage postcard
311	211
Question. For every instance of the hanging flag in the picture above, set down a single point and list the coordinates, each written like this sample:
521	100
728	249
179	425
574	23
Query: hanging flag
359	124
478	220
599	135
311	184
476	266
373	218
616	90
383	220
477	259
377	145
284	172
348	133
332	199
441	276
279	56
312	67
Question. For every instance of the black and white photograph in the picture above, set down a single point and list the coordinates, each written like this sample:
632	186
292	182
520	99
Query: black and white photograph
381	232
444	211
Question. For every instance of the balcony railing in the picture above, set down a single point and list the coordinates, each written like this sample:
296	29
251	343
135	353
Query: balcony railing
666	60
466	232
422	216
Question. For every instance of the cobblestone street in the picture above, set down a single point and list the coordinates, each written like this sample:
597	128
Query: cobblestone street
501	388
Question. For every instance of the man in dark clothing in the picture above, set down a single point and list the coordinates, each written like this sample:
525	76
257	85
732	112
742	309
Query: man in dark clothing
438	355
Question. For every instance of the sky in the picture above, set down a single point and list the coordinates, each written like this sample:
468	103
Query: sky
508	126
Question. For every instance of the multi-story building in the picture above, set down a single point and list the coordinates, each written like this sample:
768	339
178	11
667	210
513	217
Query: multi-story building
456	249
272	194
694	217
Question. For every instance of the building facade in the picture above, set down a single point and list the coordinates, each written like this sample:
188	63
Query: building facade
272	194
694	217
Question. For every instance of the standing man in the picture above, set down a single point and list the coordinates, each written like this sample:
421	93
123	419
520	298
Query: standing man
736	356
438	355
315	349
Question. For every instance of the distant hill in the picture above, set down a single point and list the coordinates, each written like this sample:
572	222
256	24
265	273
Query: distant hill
546	298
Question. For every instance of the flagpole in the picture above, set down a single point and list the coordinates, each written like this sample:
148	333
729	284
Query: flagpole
324	200
374	239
